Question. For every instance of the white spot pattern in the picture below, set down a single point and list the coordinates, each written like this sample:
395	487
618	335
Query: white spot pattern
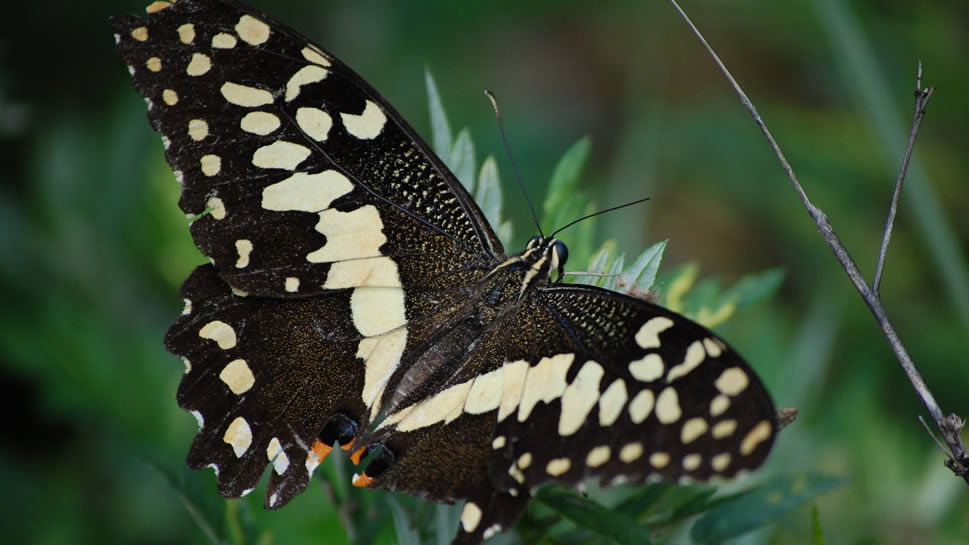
239	436
237	376
580	397
368	124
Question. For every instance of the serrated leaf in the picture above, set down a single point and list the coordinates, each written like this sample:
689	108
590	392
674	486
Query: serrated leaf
677	285
440	129
596	265
461	159
560	202
591	516
641	275
488	191
609	282
754	288
762	505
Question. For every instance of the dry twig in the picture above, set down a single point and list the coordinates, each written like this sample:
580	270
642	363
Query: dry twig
950	426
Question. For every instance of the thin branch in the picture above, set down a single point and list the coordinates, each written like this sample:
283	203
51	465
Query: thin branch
950	426
921	99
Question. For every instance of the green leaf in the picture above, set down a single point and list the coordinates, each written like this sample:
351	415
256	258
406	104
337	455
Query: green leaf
762	505
641	275
562	203
406	533
588	515
205	508
488	191
440	130
754	288
817	536
461	159
644	498
612	273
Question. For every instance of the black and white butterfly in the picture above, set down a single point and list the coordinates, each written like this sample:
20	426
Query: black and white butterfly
357	296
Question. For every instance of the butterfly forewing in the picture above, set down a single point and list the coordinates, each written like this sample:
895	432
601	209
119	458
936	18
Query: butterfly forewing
357	296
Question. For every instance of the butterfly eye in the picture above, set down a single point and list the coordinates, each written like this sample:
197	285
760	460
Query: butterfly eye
562	253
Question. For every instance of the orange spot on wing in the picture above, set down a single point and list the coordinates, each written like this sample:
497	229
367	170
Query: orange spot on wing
363	480
357	454
320	449
349	445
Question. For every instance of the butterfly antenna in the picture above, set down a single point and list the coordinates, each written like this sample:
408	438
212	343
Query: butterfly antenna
594	214
518	176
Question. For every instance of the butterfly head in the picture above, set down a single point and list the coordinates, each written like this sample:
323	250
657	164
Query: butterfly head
545	255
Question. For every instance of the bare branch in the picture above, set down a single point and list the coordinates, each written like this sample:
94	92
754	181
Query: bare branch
950	426
921	99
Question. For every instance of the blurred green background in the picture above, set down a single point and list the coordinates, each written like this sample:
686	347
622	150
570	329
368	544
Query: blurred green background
93	247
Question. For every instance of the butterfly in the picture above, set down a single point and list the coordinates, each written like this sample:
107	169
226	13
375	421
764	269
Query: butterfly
357	297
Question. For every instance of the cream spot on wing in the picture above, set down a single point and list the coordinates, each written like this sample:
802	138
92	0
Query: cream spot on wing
713	349
216	208
237	376
756	436
490	531
261	123
239	436
443	407
223	40
252	30
368	124
470	517
154	64
524	461
170	97
719	405
220	332
199	65
720	461
381	355
648	334
498	442
243	95
545	382
611	402
291	284
724	429
485	394
641	406
732	381
516	474
692	461
210	164
558	466
140	34
631	452
306	192
198	129
275	454
243	248
377	310
315	56
199	418
314	122
515	374
280	154
648	368
155	7
598	456
693	428
695	354
380	272
580	397
668	406
186	33
304	76
659	460
350	235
